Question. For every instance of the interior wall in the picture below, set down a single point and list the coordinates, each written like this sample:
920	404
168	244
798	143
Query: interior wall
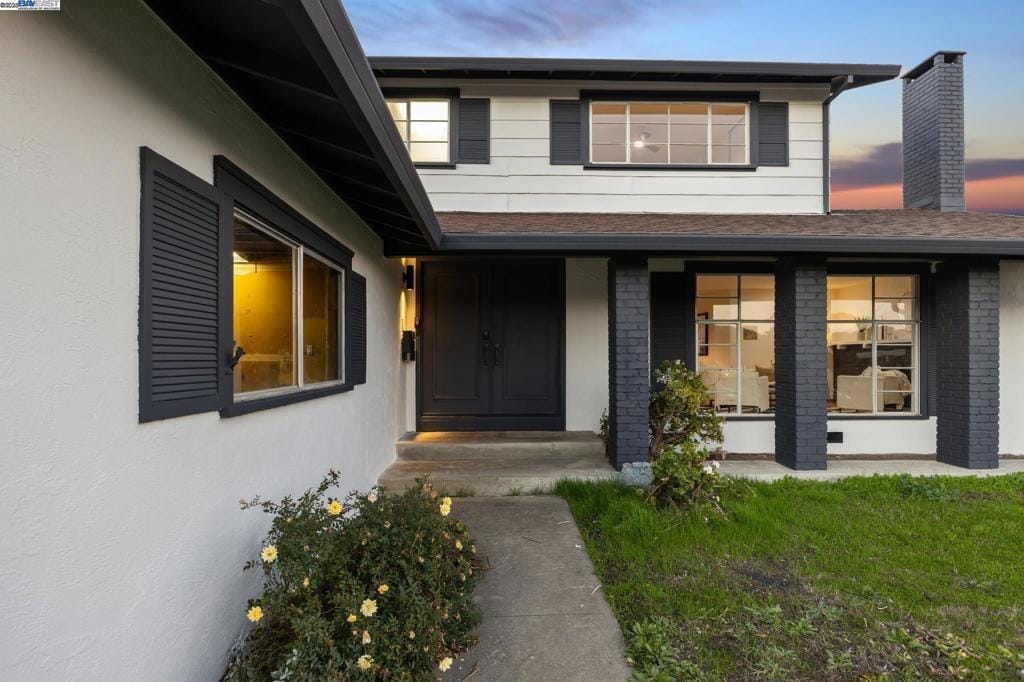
124	541
586	341
1011	360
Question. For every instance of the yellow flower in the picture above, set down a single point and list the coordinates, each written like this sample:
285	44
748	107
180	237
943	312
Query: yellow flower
269	554
446	506
352	618
254	614
305	581
368	607
458	544
365	662
444	664
334	507
383	589
387	524
366	637
412	634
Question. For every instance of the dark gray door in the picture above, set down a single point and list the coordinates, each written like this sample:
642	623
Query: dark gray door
492	345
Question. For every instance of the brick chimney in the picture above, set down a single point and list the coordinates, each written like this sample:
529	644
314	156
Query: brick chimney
933	133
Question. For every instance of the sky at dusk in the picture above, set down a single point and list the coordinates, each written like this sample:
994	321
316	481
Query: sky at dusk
865	132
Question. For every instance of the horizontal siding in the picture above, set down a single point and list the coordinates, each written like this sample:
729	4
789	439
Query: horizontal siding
521	178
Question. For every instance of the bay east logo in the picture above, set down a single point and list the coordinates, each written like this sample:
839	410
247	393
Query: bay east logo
30	4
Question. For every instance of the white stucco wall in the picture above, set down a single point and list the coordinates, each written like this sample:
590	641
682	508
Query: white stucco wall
1011	360
586	340
520	176
123	542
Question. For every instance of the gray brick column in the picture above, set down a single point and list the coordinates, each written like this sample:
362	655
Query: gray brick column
967	372
628	372
800	375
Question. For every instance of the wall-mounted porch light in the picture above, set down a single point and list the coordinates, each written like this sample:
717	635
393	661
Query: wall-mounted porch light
409	277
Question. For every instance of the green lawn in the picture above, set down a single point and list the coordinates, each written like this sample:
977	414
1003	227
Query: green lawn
884	577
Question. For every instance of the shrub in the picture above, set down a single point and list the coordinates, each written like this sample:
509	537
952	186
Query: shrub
678	413
370	587
685	471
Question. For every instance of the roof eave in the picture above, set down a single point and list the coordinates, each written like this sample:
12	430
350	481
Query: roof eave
565	243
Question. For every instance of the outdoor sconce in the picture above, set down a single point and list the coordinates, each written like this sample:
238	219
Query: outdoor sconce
409	277
408	345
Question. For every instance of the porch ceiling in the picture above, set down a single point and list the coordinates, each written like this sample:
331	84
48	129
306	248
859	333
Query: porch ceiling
905	231
299	66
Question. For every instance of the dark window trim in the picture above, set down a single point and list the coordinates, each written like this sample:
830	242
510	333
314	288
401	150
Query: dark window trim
450	94
924	320
750	98
255	198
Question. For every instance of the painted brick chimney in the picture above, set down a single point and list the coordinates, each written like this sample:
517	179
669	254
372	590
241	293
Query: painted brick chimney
933	133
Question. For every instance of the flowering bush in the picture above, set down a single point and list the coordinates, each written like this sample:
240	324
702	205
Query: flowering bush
685	470
366	587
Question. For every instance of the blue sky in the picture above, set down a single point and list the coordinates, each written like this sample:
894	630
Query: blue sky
864	120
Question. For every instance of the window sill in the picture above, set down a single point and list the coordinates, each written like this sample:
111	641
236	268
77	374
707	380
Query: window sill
748	417
877	417
669	167
432	165
241	407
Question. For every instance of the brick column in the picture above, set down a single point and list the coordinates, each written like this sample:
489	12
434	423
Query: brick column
800	375
967	372
628	372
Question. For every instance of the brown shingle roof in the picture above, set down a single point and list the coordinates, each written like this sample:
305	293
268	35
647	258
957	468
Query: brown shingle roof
905	223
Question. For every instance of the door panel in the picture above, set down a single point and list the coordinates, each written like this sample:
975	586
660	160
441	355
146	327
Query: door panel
455	379
492	345
527	326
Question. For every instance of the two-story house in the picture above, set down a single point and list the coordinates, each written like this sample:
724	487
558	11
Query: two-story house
240	254
603	216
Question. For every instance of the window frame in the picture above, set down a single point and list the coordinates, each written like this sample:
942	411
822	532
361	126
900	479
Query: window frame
299	252
750	99
738	322
252	198
919	394
414	94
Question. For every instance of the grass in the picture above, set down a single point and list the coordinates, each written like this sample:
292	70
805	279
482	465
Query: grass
867	578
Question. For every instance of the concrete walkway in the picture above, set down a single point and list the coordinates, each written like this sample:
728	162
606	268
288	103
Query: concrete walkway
542	617
769	470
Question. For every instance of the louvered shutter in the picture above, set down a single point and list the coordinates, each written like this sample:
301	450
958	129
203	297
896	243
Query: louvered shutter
670	323
566	132
474	117
184	292
773	134
356	328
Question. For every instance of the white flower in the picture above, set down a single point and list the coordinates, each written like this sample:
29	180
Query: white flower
716	463
708	469
371	498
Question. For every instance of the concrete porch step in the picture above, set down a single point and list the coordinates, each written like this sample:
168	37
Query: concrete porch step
497	463
449	445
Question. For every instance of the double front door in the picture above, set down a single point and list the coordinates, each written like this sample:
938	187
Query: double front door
491	345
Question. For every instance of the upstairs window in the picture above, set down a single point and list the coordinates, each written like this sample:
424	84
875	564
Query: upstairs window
425	126
670	133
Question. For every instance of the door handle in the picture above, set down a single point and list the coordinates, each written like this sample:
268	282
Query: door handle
486	348
498	355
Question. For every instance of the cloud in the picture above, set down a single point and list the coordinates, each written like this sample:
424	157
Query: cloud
493	26
881	165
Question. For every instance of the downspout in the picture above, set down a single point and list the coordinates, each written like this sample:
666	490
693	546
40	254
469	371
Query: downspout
839	83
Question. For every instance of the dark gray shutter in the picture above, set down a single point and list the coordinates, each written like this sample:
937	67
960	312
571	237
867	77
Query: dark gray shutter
670	320
474	131
184	292
773	134
356	328
566	132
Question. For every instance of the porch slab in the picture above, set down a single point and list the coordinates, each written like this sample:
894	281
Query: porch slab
544	614
769	470
498	462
